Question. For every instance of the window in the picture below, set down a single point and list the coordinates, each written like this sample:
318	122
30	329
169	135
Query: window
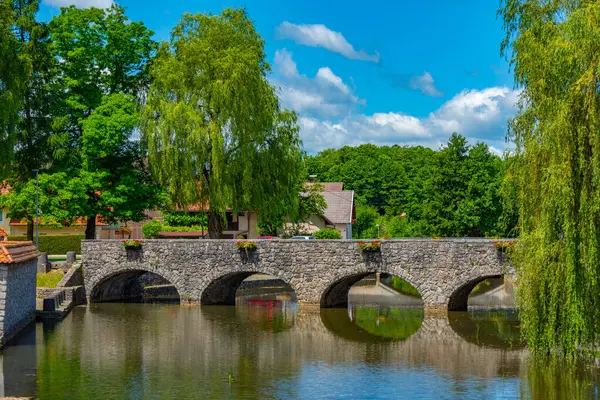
1	215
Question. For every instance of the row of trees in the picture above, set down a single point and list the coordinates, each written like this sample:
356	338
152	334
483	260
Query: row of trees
416	191
110	117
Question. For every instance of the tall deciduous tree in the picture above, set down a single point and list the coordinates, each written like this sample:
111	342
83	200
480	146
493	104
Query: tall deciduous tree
101	53
216	134
555	51
9	87
113	181
32	73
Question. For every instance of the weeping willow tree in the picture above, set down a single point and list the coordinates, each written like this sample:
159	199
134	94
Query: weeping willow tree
216	134
554	47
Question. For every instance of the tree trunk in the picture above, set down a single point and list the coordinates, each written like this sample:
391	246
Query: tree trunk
30	230
90	228
215	228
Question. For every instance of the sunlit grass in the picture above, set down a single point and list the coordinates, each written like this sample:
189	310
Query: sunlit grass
50	279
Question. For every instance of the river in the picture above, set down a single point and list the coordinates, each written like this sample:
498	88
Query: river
265	349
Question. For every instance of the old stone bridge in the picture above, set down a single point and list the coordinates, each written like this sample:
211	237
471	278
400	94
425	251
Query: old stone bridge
320	272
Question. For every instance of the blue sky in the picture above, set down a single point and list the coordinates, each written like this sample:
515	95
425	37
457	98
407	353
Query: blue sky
383	72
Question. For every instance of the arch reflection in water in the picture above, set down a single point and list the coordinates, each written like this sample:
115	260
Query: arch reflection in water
488	328
398	323
384	290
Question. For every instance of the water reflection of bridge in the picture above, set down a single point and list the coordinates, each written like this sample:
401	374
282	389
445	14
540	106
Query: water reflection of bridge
171	341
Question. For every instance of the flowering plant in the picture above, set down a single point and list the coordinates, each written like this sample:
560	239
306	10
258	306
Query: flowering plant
132	244
245	245
503	245
370	246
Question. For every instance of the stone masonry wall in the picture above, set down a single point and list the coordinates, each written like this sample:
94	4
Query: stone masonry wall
17	297
321	272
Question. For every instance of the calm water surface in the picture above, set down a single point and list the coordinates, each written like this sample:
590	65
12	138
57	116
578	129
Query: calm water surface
270	350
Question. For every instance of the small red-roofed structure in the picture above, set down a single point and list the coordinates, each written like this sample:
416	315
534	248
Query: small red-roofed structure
18	269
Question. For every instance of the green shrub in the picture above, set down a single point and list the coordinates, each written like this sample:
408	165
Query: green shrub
56	244
185	218
152	229
328	233
194	228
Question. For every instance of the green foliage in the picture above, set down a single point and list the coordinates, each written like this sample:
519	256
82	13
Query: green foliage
193	228
328	234
555	52
56	244
245	245
57	202
414	191
50	279
215	132
101	53
132	244
391	323
152	229
401	286
312	203
185	218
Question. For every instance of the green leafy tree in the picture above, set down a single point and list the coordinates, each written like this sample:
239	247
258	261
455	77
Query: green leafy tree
312	203
216	134
57	202
113	181
9	86
462	197
30	82
103	72
366	221
554	49
101	52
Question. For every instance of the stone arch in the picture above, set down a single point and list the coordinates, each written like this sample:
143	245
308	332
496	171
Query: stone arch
459	298
123	285
336	294
222	289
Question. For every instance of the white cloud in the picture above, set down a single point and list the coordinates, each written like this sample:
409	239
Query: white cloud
285	64
80	3
319	35
325	95
425	84
328	76
476	114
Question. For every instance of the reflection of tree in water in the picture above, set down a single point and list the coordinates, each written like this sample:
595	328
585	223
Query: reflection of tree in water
489	328
548	379
271	315
391	323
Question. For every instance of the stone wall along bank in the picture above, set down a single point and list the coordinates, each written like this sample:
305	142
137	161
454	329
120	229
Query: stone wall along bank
18	268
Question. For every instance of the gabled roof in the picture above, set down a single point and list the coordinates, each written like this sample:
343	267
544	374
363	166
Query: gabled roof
329	186
339	206
17	252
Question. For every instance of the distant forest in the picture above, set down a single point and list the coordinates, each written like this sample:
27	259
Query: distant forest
456	191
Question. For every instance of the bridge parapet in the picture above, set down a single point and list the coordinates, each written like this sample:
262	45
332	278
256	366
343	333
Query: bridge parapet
321	272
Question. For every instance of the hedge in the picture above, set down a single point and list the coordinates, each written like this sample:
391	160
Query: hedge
328	233
56	244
